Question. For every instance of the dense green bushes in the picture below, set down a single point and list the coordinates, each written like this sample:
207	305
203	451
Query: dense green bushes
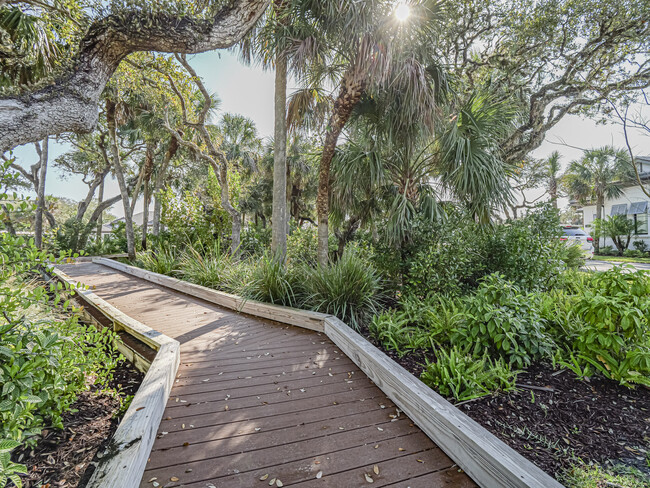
612	331
451	256
46	355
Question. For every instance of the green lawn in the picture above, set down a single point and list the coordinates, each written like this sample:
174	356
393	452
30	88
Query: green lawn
622	259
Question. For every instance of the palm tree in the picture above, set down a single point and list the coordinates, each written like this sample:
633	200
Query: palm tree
363	49
269	44
240	144
388	178
552	166
599	174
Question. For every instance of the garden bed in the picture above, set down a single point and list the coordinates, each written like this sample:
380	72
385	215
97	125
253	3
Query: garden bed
67	457
556	419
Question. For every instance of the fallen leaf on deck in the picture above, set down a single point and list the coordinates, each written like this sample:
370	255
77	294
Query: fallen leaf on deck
265	477
375	468
368	478
319	475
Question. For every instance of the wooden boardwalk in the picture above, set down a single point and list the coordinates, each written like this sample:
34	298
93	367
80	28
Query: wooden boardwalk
254	398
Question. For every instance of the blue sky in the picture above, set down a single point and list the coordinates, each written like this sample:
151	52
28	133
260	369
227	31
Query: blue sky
249	91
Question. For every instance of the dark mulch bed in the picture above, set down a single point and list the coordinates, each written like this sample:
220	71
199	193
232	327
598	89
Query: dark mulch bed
596	420
64	458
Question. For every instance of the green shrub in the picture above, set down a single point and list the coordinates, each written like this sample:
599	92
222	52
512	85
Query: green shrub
630	253
302	245
451	256
460	375
10	471
572	256
273	282
255	240
162	260
607	251
349	289
611	327
505	321
641	246
528	251
46	356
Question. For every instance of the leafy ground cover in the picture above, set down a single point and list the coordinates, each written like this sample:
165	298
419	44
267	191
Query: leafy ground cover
50	360
67	456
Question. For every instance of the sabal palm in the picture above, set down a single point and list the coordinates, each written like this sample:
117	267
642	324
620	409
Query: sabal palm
552	166
240	143
362	50
393	178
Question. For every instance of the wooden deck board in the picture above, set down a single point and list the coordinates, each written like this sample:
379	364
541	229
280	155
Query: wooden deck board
254	397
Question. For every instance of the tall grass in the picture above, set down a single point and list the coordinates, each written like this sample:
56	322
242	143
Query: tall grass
349	289
207	267
273	282
163	260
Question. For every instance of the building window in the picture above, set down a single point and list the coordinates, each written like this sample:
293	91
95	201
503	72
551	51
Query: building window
640	224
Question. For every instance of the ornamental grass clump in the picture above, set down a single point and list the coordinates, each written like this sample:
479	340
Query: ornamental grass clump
349	289
163	261
205	267
271	281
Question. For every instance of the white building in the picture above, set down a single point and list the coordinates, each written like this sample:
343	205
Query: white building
633	202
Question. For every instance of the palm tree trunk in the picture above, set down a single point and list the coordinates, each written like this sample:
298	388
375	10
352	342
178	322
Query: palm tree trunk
100	199
600	201
279	212
349	95
145	215
147	170
172	149
552	191
119	174
40	195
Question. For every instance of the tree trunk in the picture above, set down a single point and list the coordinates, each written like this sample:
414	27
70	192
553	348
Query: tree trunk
552	191
600	201
70	104
100	199
157	209
6	220
119	174
279	215
145	215
172	149
88	228
235	216
40	195
147	170
349	95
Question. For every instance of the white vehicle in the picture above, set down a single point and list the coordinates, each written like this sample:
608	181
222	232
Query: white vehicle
574	235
